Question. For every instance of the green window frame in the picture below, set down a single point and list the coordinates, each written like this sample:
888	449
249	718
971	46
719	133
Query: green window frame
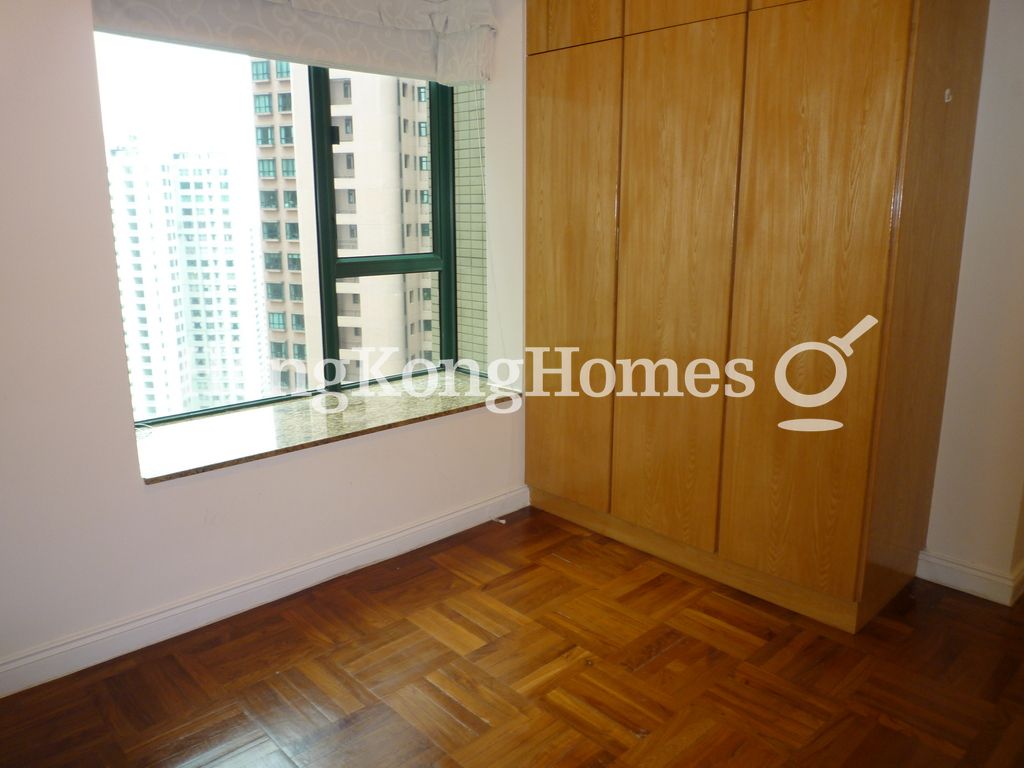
284	70
298	322
287	135
291	199
287	167
271	230
294	262
262	104
275	291
277	321
268	199
295	291
279	350
291	230
272	261
440	259
265	135
299	351
284	102
267	168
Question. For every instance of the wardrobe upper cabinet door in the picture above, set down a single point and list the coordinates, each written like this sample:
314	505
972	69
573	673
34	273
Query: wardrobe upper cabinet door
552	24
644	15
821	142
572	175
683	95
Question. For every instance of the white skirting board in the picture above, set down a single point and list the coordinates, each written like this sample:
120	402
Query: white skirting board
1002	588
84	649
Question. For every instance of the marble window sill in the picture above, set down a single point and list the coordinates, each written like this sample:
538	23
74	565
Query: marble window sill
203	443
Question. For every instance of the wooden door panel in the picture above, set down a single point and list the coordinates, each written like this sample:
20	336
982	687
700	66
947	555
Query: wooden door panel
680	147
822	115
553	24
644	15
572	176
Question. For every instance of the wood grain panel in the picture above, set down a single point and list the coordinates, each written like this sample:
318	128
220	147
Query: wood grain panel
552	24
756	5
949	43
572	175
644	15
683	94
824	100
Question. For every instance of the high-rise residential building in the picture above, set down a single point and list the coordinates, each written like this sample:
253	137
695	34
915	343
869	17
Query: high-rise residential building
382	179
190	295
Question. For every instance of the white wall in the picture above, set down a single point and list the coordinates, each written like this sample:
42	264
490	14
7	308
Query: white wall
89	556
974	540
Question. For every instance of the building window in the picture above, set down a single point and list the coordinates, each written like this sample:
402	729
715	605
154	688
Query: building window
428	325
291	199
275	291
294	262
346	125
276	321
265	136
272	261
262	104
299	351
260	70
295	291
424	163
284	102
287	137
298	322
421	129
425	230
279	350
425	196
288	167
421	93
291	230
267	168
271	230
268	199
284	70
426	294
351	195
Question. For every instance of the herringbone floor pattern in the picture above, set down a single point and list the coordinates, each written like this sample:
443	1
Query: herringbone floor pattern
536	643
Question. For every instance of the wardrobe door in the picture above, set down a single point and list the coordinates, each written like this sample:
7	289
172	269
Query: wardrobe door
680	145
821	141
552	24
572	176
643	15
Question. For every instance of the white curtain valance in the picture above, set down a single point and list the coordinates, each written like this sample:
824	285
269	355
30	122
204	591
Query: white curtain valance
451	41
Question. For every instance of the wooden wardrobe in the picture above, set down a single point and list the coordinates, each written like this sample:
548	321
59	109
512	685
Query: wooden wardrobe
722	179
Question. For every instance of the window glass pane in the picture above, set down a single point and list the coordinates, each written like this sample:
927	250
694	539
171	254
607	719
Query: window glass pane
195	197
387	311
383	161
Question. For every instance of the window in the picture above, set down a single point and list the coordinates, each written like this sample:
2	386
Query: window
267	168
260	70
229	224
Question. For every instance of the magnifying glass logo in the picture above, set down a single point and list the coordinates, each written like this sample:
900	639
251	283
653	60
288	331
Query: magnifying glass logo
836	345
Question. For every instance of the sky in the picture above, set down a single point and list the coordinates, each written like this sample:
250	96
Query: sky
174	97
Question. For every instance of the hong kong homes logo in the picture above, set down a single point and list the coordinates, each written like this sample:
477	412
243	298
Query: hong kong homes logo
701	378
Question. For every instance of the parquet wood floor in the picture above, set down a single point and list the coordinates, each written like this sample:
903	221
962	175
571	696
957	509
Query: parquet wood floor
537	643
